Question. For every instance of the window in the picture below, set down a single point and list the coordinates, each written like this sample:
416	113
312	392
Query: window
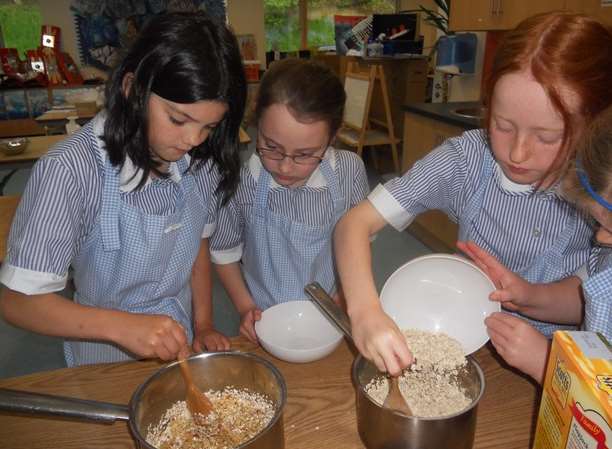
283	19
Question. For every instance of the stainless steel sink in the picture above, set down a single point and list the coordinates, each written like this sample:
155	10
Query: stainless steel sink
477	112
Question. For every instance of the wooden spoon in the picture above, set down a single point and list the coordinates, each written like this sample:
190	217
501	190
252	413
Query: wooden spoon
394	399
198	404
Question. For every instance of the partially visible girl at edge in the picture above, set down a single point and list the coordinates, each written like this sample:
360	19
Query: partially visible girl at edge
588	184
275	235
500	183
127	200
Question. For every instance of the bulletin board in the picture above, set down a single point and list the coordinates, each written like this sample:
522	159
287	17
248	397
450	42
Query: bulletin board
355	110
104	27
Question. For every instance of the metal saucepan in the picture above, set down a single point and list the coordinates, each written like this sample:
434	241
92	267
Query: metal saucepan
151	399
383	428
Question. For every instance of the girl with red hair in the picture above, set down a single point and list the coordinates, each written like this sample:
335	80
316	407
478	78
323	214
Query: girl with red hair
500	184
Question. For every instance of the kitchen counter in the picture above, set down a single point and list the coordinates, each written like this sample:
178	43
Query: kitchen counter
320	410
442	112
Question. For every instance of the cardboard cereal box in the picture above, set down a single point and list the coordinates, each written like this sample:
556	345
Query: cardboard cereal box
577	394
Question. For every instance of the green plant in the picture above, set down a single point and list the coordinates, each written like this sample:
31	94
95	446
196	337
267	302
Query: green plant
436	18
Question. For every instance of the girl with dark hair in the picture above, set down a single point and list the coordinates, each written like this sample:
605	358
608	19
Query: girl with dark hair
587	184
291	194
129	201
500	184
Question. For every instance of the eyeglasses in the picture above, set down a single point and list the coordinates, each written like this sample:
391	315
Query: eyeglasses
300	159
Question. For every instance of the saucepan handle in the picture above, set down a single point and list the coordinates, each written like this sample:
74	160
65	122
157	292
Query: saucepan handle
46	404
327	305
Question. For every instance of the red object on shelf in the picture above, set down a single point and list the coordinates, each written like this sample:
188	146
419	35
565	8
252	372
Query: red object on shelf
68	68
50	37
52	69
11	63
36	64
251	70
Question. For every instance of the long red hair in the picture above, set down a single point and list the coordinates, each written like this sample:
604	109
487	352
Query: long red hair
562	51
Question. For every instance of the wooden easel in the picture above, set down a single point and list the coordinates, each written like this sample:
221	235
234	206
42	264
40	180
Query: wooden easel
358	128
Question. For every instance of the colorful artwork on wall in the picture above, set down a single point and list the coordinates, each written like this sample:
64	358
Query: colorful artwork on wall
38	100
16	104
104	26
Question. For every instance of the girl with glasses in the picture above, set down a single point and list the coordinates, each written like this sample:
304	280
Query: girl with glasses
274	236
129	201
588	184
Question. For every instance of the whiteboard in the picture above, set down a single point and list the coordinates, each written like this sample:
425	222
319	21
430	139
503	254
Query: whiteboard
356	100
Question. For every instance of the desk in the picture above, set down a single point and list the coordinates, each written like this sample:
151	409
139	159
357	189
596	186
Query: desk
37	147
320	411
8	207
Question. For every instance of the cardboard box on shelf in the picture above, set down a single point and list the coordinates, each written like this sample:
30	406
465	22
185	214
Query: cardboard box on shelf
576	406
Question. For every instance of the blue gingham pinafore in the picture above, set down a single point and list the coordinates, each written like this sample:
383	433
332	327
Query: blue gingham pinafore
281	256
137	262
546	267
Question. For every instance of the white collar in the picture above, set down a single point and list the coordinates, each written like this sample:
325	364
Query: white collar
510	186
129	175
316	178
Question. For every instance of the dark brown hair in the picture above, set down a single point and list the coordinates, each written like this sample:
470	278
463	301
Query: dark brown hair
562	51
310	90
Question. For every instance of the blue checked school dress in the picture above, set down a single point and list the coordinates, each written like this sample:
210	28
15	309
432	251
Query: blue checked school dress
535	234
597	290
137	262
281	255
544	268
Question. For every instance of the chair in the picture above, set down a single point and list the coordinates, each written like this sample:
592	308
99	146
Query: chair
359	129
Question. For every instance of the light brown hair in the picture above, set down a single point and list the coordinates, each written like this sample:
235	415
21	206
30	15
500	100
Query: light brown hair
594	156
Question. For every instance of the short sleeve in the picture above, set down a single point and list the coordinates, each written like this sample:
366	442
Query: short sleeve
360	188
432	183
46	232
226	242
207	178
597	292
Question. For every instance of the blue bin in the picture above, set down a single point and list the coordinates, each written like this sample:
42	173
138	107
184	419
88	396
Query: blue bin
458	50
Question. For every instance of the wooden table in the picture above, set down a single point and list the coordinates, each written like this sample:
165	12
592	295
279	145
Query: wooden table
37	147
320	410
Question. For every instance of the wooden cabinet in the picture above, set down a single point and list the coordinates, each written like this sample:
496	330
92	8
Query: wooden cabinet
421	135
591	7
474	15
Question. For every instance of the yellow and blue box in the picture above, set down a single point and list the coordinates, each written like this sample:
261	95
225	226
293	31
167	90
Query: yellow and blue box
577	394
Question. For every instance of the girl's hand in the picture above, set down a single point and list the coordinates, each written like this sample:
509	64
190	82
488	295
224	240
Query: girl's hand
513	292
208	339
150	336
247	324
519	344
380	340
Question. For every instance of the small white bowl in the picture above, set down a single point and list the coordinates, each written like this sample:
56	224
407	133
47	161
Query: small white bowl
297	332
441	293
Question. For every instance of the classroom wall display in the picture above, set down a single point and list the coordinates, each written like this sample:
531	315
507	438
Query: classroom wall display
32	102
38	101
103	27
16	104
351	32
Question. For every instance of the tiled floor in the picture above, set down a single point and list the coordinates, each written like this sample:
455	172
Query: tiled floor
23	352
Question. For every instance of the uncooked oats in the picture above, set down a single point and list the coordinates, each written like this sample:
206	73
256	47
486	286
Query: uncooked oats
428	386
237	416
